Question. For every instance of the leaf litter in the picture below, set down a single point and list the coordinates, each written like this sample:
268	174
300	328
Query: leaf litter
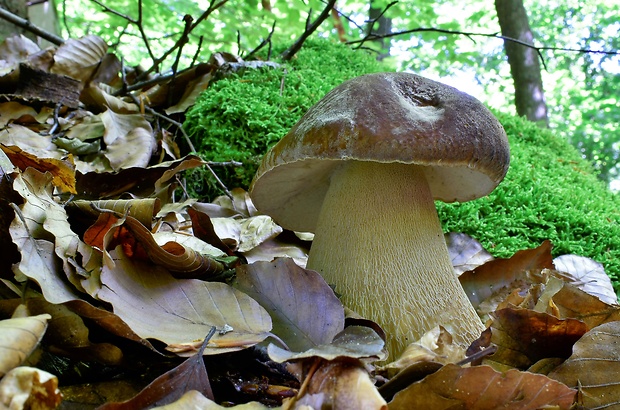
121	275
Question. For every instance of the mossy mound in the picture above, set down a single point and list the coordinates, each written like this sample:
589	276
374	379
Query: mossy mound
550	192
240	117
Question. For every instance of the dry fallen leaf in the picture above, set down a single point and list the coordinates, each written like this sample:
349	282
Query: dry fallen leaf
481	387
466	253
193	400
337	384
18	338
79	58
524	336
304	309
190	375
180	312
29	388
358	342
594	367
588	275
486	280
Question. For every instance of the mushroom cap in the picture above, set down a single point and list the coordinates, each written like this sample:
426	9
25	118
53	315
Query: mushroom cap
383	117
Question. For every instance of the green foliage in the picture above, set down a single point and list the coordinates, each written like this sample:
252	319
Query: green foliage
239	118
550	192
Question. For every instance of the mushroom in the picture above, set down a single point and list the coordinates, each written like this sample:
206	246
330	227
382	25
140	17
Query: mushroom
361	170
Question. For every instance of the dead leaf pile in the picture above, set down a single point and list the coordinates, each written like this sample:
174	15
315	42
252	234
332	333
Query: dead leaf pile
209	302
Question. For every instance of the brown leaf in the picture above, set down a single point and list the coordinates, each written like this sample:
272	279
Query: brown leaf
588	275
574	303
79	58
193	400
337	384
358	342
488	279
481	387
62	171
524	336
594	367
29	388
466	253
180	312
304	309
170	386
18	338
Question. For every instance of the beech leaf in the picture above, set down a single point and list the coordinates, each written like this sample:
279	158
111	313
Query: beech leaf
353	342
304	309
18	338
29	388
465	252
524	336
481	387
180	312
79	58
588	275
594	367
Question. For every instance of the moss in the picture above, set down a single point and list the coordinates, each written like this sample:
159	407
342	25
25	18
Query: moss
240	117
550	192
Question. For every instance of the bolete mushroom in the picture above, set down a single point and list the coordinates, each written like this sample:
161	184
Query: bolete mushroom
361	170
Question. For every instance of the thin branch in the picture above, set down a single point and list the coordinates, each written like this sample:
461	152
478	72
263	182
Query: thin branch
263	43
212	7
471	36
290	52
28	26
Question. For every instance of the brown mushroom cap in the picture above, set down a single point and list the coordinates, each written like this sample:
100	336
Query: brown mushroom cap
385	117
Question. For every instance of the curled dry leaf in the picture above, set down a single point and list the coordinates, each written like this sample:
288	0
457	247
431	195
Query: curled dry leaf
39	221
465	252
338	384
572	302
144	209
588	275
244	235
63	171
194	400
18	338
191	375
79	58
358	342
594	367
434	346
524	336
29	388
180	312
486	280
304	309
481	387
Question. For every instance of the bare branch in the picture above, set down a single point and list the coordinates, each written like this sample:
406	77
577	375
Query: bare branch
28	26
471	36
290	52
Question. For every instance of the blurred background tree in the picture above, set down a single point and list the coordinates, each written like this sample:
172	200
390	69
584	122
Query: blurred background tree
455	41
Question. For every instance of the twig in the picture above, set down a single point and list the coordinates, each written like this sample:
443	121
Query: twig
170	120
263	43
28	26
471	35
212	7
292	50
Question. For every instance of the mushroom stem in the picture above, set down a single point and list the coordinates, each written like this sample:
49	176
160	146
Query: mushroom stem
379	241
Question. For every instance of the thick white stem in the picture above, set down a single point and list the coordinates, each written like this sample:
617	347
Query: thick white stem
379	241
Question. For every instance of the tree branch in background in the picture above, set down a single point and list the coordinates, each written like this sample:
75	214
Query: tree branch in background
471	36
292	50
263	43
28	26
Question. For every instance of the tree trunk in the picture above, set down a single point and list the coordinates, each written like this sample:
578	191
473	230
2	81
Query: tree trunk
17	7
382	27
524	63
